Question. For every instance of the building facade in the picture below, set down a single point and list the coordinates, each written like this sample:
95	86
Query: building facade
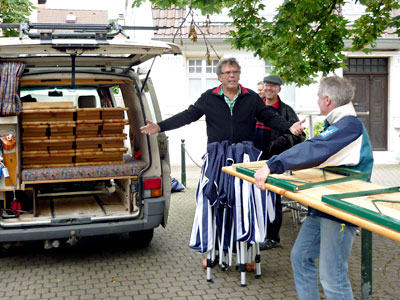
179	80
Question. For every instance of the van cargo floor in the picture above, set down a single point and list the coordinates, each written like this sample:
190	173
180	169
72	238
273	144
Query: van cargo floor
85	205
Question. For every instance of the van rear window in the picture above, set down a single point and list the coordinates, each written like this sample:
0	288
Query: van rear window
82	98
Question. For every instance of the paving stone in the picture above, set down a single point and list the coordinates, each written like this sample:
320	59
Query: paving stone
107	268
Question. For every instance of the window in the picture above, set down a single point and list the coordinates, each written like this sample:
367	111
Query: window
268	67
367	65
201	77
195	66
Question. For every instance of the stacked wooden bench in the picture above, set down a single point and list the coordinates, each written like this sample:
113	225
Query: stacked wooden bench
57	134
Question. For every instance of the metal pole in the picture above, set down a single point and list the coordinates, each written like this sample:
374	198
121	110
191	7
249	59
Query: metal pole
183	163
311	126
366	264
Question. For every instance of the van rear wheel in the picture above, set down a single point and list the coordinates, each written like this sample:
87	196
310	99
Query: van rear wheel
141	238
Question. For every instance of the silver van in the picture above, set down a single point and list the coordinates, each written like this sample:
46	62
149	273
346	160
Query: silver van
73	160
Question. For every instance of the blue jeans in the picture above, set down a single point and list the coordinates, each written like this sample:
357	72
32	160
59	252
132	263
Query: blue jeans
323	238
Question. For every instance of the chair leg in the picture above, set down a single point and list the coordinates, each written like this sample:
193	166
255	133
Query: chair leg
243	253
258	260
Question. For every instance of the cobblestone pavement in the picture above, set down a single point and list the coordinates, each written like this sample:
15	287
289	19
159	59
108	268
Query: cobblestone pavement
109	268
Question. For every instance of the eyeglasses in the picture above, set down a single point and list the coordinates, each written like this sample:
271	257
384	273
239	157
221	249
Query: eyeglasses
230	72
269	86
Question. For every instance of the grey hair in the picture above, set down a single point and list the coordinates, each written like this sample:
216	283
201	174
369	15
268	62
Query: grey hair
260	83
339	90
226	61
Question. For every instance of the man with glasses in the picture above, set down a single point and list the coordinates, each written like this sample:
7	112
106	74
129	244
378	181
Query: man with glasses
230	111
273	142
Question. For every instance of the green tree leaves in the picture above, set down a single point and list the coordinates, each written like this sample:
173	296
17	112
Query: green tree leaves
306	37
14	11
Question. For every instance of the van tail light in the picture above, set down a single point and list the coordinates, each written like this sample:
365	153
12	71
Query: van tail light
152	187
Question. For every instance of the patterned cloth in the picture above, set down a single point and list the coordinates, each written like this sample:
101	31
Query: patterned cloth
10	104
130	168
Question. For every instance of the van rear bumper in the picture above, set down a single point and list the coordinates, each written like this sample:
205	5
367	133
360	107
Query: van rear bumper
153	213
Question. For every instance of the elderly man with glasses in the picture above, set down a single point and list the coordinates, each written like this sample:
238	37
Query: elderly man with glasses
230	111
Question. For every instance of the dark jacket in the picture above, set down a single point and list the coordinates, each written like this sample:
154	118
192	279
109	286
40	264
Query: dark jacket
273	142
221	124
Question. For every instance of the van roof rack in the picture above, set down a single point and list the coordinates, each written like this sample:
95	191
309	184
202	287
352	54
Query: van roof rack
46	31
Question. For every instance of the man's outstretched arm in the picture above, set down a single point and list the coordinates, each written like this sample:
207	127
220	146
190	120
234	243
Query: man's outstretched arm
151	128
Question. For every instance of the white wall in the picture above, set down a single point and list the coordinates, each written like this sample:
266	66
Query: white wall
394	105
172	94
170	80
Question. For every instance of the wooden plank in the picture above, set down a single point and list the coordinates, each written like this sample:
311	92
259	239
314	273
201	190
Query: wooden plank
113	128
46	140
100	142
47	105
116	113
59	132
70	124
109	157
47	158
47	122
76	206
34	145
45	115
115	122
67	81
88	122
112	143
10	161
312	198
88	114
380	206
35	131
112	204
28	112
87	128
99	163
43	208
122	149
34	139
62	137
35	125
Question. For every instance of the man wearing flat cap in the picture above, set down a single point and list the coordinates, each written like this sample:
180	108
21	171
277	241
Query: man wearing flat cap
273	142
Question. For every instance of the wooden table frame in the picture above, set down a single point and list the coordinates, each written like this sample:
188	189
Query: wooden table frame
313	197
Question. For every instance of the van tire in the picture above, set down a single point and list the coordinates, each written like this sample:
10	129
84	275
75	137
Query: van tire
142	238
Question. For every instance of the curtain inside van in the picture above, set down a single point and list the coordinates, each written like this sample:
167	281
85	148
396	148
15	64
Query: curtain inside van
10	103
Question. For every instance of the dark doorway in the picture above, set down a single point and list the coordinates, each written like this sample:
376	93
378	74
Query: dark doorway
370	76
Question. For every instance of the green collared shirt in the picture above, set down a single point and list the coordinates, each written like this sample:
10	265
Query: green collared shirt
231	103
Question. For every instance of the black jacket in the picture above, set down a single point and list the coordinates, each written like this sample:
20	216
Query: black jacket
221	124
273	142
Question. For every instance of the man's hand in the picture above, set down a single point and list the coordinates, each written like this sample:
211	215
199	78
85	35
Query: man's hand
297	128
150	128
261	176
